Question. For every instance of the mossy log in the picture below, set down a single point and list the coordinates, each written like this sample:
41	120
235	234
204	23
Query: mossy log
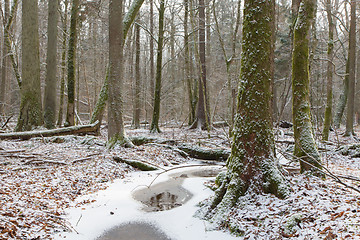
73	130
205	153
143	166
191	150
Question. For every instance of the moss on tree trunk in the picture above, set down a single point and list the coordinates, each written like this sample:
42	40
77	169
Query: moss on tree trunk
305	146
251	165
70	114
156	112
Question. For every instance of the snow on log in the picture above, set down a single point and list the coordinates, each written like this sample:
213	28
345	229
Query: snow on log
143	166
73	130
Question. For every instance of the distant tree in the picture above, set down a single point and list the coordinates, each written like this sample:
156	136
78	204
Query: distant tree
64	20
251	165
51	67
5	58
30	106
329	73
305	146
137	99
202	120
156	112
70	113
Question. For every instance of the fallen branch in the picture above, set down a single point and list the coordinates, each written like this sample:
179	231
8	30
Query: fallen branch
37	161
73	130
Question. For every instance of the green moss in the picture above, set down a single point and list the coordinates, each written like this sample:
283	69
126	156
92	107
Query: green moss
119	140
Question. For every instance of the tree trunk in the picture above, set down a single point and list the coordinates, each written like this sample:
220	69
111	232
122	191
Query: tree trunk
340	108
251	165
5	60
329	74
187	64
116	132
156	112
137	78
63	63
30	106
104	93
202	120
51	81
70	114
305	146
152	68
352	69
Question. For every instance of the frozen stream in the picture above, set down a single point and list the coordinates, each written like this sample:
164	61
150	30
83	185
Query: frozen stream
117	215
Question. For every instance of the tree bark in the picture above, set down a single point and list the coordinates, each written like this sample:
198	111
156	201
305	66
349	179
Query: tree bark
137	100
329	73
305	146
116	131
156	112
51	67
70	113
4	60
30	106
352	69
64	19
251	165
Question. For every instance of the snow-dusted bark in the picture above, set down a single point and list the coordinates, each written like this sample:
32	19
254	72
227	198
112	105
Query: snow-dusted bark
305	146
251	165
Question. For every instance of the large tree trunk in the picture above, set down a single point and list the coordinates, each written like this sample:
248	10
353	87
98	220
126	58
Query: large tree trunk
329	73
202	120
51	81
340	107
305	146
70	114
103	98
352	69
116	132
251	165
156	112
30	106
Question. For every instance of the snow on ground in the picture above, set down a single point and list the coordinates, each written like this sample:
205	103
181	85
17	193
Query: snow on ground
52	185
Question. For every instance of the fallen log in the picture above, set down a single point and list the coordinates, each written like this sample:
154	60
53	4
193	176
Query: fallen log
73	130
143	166
205	153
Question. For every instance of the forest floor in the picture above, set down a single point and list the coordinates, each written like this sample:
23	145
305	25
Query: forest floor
42	177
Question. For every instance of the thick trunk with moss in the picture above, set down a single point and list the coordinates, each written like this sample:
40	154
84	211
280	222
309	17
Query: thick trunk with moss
51	81
251	165
30	106
305	146
156	112
352	68
116	130
70	114
329	74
